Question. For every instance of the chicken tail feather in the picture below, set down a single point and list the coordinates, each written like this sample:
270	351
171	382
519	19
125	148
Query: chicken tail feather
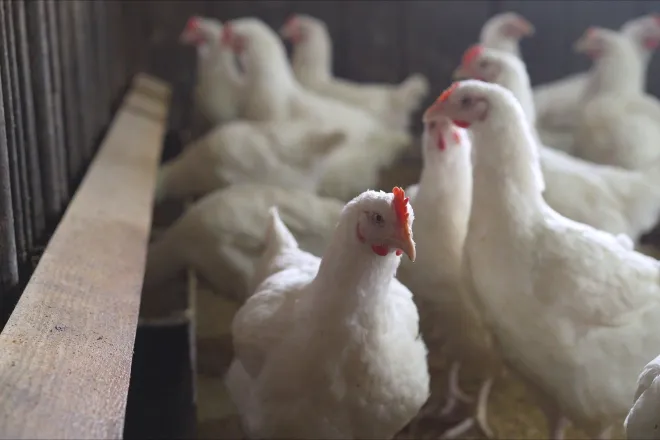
411	92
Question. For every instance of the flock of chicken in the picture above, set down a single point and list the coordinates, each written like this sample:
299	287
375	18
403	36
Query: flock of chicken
526	217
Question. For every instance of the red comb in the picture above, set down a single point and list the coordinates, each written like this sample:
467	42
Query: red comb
591	31
192	23
473	52
448	91
400	204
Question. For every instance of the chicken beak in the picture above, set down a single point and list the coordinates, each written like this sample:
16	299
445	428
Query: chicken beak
459	74
405	242
432	112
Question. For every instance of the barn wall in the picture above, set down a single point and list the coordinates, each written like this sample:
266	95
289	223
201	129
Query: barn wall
387	40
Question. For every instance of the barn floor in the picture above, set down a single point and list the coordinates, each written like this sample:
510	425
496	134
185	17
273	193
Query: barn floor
512	412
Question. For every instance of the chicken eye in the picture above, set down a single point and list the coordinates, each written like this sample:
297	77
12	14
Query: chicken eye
377	219
466	101
484	64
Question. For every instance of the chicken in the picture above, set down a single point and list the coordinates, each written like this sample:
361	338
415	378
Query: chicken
442	206
219	89
609	198
504	31
287	154
571	308
643	420
275	95
312	66
330	347
558	102
222	235
620	124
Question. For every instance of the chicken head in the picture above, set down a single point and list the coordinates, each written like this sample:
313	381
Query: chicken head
464	102
506	26
293	29
230	38
385	223
645	31
192	32
595	41
479	63
439	135
299	26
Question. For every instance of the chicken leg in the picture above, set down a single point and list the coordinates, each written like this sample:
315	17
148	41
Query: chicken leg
557	424
480	418
454	392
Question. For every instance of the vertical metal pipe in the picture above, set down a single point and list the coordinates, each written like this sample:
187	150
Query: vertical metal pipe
8	263
43	99
11	133
30	127
19	118
53	40
72	127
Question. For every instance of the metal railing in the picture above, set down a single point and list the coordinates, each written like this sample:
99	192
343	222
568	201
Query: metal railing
63	64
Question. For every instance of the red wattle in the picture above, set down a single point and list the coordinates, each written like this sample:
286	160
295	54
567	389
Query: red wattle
380	250
651	43
455	136
399	252
441	143
462	124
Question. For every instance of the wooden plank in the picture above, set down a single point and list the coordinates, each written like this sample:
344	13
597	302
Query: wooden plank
372	34
66	351
433	41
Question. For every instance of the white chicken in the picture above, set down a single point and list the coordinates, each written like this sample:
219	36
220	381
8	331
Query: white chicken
572	309
643	420
503	32
312	65
558	102
219	87
442	209
288	154
609	198
620	124
330	348
275	95
221	235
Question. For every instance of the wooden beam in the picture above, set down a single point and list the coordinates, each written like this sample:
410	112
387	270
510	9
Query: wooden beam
66	351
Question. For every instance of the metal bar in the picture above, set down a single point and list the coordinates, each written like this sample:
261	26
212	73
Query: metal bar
81	79
8	263
72	126
98	41
11	133
56	78
29	117
19	104
46	133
